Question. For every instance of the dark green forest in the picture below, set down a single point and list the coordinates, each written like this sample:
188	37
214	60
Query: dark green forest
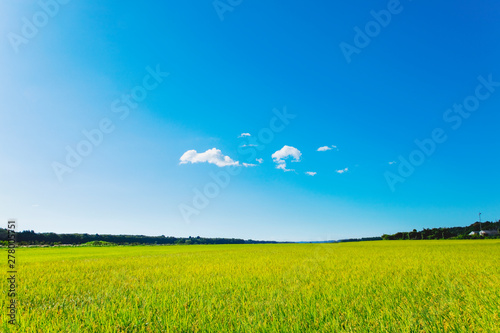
447	233
29	237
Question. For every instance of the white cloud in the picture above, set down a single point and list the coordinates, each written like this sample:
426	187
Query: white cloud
282	166
244	134
310	173
285	152
326	148
249	165
341	171
260	160
213	156
282	154
249	145
392	162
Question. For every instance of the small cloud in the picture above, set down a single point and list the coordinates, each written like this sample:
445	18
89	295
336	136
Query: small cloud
341	171
310	173
282	166
242	135
212	156
260	160
392	162
249	165
326	148
249	145
287	151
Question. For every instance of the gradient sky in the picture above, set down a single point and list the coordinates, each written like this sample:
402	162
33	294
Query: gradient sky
231	68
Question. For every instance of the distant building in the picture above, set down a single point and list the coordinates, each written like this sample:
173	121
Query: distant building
488	232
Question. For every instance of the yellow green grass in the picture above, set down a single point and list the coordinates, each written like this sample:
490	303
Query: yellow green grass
384	286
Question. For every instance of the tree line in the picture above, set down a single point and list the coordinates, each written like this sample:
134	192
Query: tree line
446	233
30	237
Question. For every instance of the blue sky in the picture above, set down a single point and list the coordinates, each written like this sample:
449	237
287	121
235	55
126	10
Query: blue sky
168	88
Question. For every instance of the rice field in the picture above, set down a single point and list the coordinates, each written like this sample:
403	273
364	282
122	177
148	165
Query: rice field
383	286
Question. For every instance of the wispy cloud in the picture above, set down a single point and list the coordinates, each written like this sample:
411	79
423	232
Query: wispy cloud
310	173
341	171
249	145
260	160
212	156
281	155
392	162
326	148
242	135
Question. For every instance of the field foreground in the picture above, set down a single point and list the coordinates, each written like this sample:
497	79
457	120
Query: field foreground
384	286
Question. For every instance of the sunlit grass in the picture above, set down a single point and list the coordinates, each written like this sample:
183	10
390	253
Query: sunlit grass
385	286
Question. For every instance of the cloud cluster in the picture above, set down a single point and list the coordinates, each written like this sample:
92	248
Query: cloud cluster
281	155
242	135
212	156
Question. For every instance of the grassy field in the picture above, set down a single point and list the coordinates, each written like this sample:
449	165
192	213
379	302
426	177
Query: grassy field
384	286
